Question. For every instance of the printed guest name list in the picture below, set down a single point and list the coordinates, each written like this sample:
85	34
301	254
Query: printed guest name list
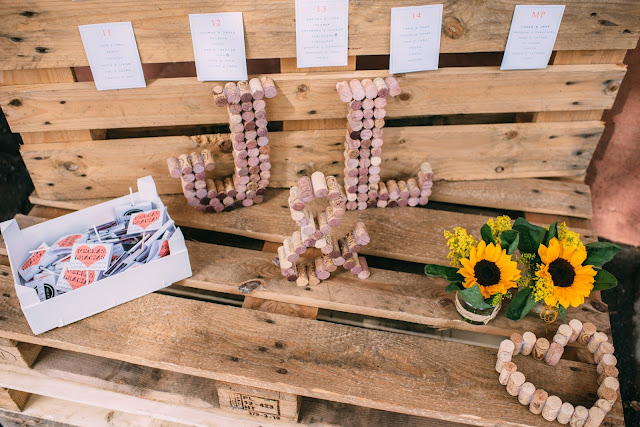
322	33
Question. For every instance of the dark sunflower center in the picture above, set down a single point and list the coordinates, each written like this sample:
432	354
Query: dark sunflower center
487	273
562	272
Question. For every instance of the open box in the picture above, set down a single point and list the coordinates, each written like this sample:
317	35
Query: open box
105	293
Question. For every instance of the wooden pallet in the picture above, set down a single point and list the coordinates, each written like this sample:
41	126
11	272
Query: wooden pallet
387	351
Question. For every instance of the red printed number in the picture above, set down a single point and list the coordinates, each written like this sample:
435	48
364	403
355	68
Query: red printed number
216	22
322	8
106	33
414	16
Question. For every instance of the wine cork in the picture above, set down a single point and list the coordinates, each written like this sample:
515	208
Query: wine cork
514	383
380	102
323	224
365	273
528	342
289	252
209	162
381	87
367	108
314	280
333	188
185	164
321	271
605	348
379	113
608	371
190	194
174	167
360	234
561	339
220	189
353	105
565	413
503	357
257	92
608	360
595	341
605	405
246	106
310	226
554	354
333	217
229	188
187	185
596	416
193	201
507	369
579	417
517	340
344	91
608	395
234	109
294	198
351	242
507	346
537	401
609	383
576	328
350	263
392	84
260	113
336	249
551	408
370	89
231	91
357	90
566	331
394	192
249	118
357	267
344	249
329	265
201	193
211	189
305	188
588	329
218	96
355	125
262	141
282	259
526	393
367	123
268	86
540	349
303	279
296	240
355	115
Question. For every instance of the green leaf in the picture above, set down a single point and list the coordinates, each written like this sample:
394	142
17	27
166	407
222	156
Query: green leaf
453	287
474	297
510	239
521	304
487	234
551	233
600	253
604	281
530	235
563	313
449	273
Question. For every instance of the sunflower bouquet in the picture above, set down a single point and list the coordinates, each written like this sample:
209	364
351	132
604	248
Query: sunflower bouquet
558	269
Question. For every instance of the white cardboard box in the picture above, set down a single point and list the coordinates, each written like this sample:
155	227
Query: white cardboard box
105	293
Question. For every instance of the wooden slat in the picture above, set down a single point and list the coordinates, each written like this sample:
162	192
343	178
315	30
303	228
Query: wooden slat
94	169
386	294
177	101
528	195
45	33
411	234
306	357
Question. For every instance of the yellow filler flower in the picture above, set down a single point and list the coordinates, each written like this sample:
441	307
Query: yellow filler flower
491	268
562	264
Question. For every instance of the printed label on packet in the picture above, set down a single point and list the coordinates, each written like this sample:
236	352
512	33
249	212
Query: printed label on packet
124	212
95	256
146	221
66	242
44	284
31	266
74	279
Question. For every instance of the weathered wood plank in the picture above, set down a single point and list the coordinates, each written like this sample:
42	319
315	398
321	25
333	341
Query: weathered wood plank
93	169
528	195
305	357
386	294
410	234
301	96
13	400
44	33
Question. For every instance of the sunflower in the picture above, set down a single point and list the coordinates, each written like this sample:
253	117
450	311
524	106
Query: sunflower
562	265
491	268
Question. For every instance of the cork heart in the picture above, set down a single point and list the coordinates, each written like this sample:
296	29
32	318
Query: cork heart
146	219
33	259
69	240
89	256
78	278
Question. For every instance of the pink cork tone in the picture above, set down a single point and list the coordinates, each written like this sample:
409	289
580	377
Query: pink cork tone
245	108
366	111
317	230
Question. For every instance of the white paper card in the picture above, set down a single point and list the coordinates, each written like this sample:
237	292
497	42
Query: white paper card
322	33
531	37
218	46
415	38
94	256
113	55
146	221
